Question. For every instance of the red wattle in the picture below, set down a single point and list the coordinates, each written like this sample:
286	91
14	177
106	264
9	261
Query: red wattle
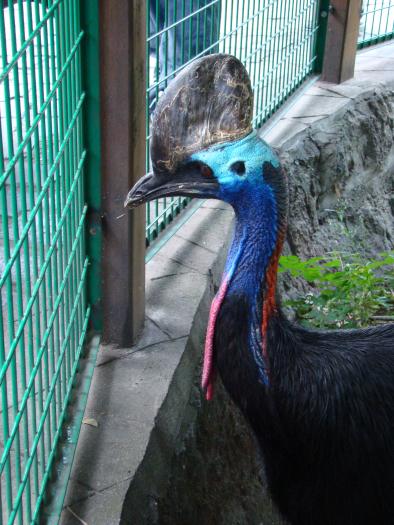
207	371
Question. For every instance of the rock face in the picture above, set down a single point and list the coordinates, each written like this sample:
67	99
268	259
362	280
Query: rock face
341	178
217	477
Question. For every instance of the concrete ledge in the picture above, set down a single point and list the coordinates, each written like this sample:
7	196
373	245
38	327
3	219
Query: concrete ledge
145	398
138	395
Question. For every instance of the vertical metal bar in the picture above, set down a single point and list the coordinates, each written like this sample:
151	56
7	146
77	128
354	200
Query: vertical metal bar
287	47
5	416
47	437
122	50
57	199
26	289
297	53
7	249
148	95
52	219
341	41
49	357
41	299
33	238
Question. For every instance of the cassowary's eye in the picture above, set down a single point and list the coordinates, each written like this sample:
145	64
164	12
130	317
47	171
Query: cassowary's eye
206	171
199	168
238	167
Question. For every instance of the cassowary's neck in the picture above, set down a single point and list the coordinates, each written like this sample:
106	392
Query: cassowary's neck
253	254
253	244
249	274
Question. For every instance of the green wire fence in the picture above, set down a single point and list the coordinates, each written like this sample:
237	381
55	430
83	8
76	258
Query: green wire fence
43	264
46	169
377	22
276	39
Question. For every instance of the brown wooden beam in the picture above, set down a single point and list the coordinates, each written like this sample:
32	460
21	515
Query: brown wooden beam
122	48
341	40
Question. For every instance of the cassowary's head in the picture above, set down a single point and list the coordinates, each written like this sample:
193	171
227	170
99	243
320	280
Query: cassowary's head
202	142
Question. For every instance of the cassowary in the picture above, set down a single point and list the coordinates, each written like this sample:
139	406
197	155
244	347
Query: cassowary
320	403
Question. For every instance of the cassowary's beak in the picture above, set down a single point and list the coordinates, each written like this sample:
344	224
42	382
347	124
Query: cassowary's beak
209	102
193	179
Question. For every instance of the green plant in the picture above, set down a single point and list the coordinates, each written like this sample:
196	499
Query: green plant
348	290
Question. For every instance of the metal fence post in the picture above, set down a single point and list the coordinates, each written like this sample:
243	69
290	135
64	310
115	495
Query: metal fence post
91	114
122	51
321	35
341	40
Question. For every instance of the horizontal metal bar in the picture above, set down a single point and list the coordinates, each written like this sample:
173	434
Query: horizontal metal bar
25	45
11	164
41	195
376	39
40	352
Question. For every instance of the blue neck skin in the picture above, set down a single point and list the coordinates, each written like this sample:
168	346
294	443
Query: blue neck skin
255	232
252	246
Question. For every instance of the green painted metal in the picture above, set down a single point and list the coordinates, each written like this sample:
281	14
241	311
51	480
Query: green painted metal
92	140
279	41
321	34
48	162
377	22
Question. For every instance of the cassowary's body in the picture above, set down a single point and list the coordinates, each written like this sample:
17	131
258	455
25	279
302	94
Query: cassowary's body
326	424
321	404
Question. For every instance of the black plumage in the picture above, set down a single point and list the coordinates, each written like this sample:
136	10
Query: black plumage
326	424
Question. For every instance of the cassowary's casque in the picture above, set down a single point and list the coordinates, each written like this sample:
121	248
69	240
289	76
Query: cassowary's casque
321	403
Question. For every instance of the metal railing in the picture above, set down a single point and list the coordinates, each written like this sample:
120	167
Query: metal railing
43	263
275	39
377	22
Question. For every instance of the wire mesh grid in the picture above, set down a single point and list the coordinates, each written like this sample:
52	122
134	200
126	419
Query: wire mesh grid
275	39
377	22
43	315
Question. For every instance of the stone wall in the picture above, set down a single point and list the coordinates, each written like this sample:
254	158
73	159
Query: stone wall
341	179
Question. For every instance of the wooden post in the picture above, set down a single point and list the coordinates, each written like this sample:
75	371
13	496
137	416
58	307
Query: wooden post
341	40
122	50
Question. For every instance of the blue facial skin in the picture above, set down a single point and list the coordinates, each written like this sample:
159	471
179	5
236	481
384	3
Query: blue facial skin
255	234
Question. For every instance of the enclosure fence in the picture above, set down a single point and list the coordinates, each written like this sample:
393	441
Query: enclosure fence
43	265
377	22
47	156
